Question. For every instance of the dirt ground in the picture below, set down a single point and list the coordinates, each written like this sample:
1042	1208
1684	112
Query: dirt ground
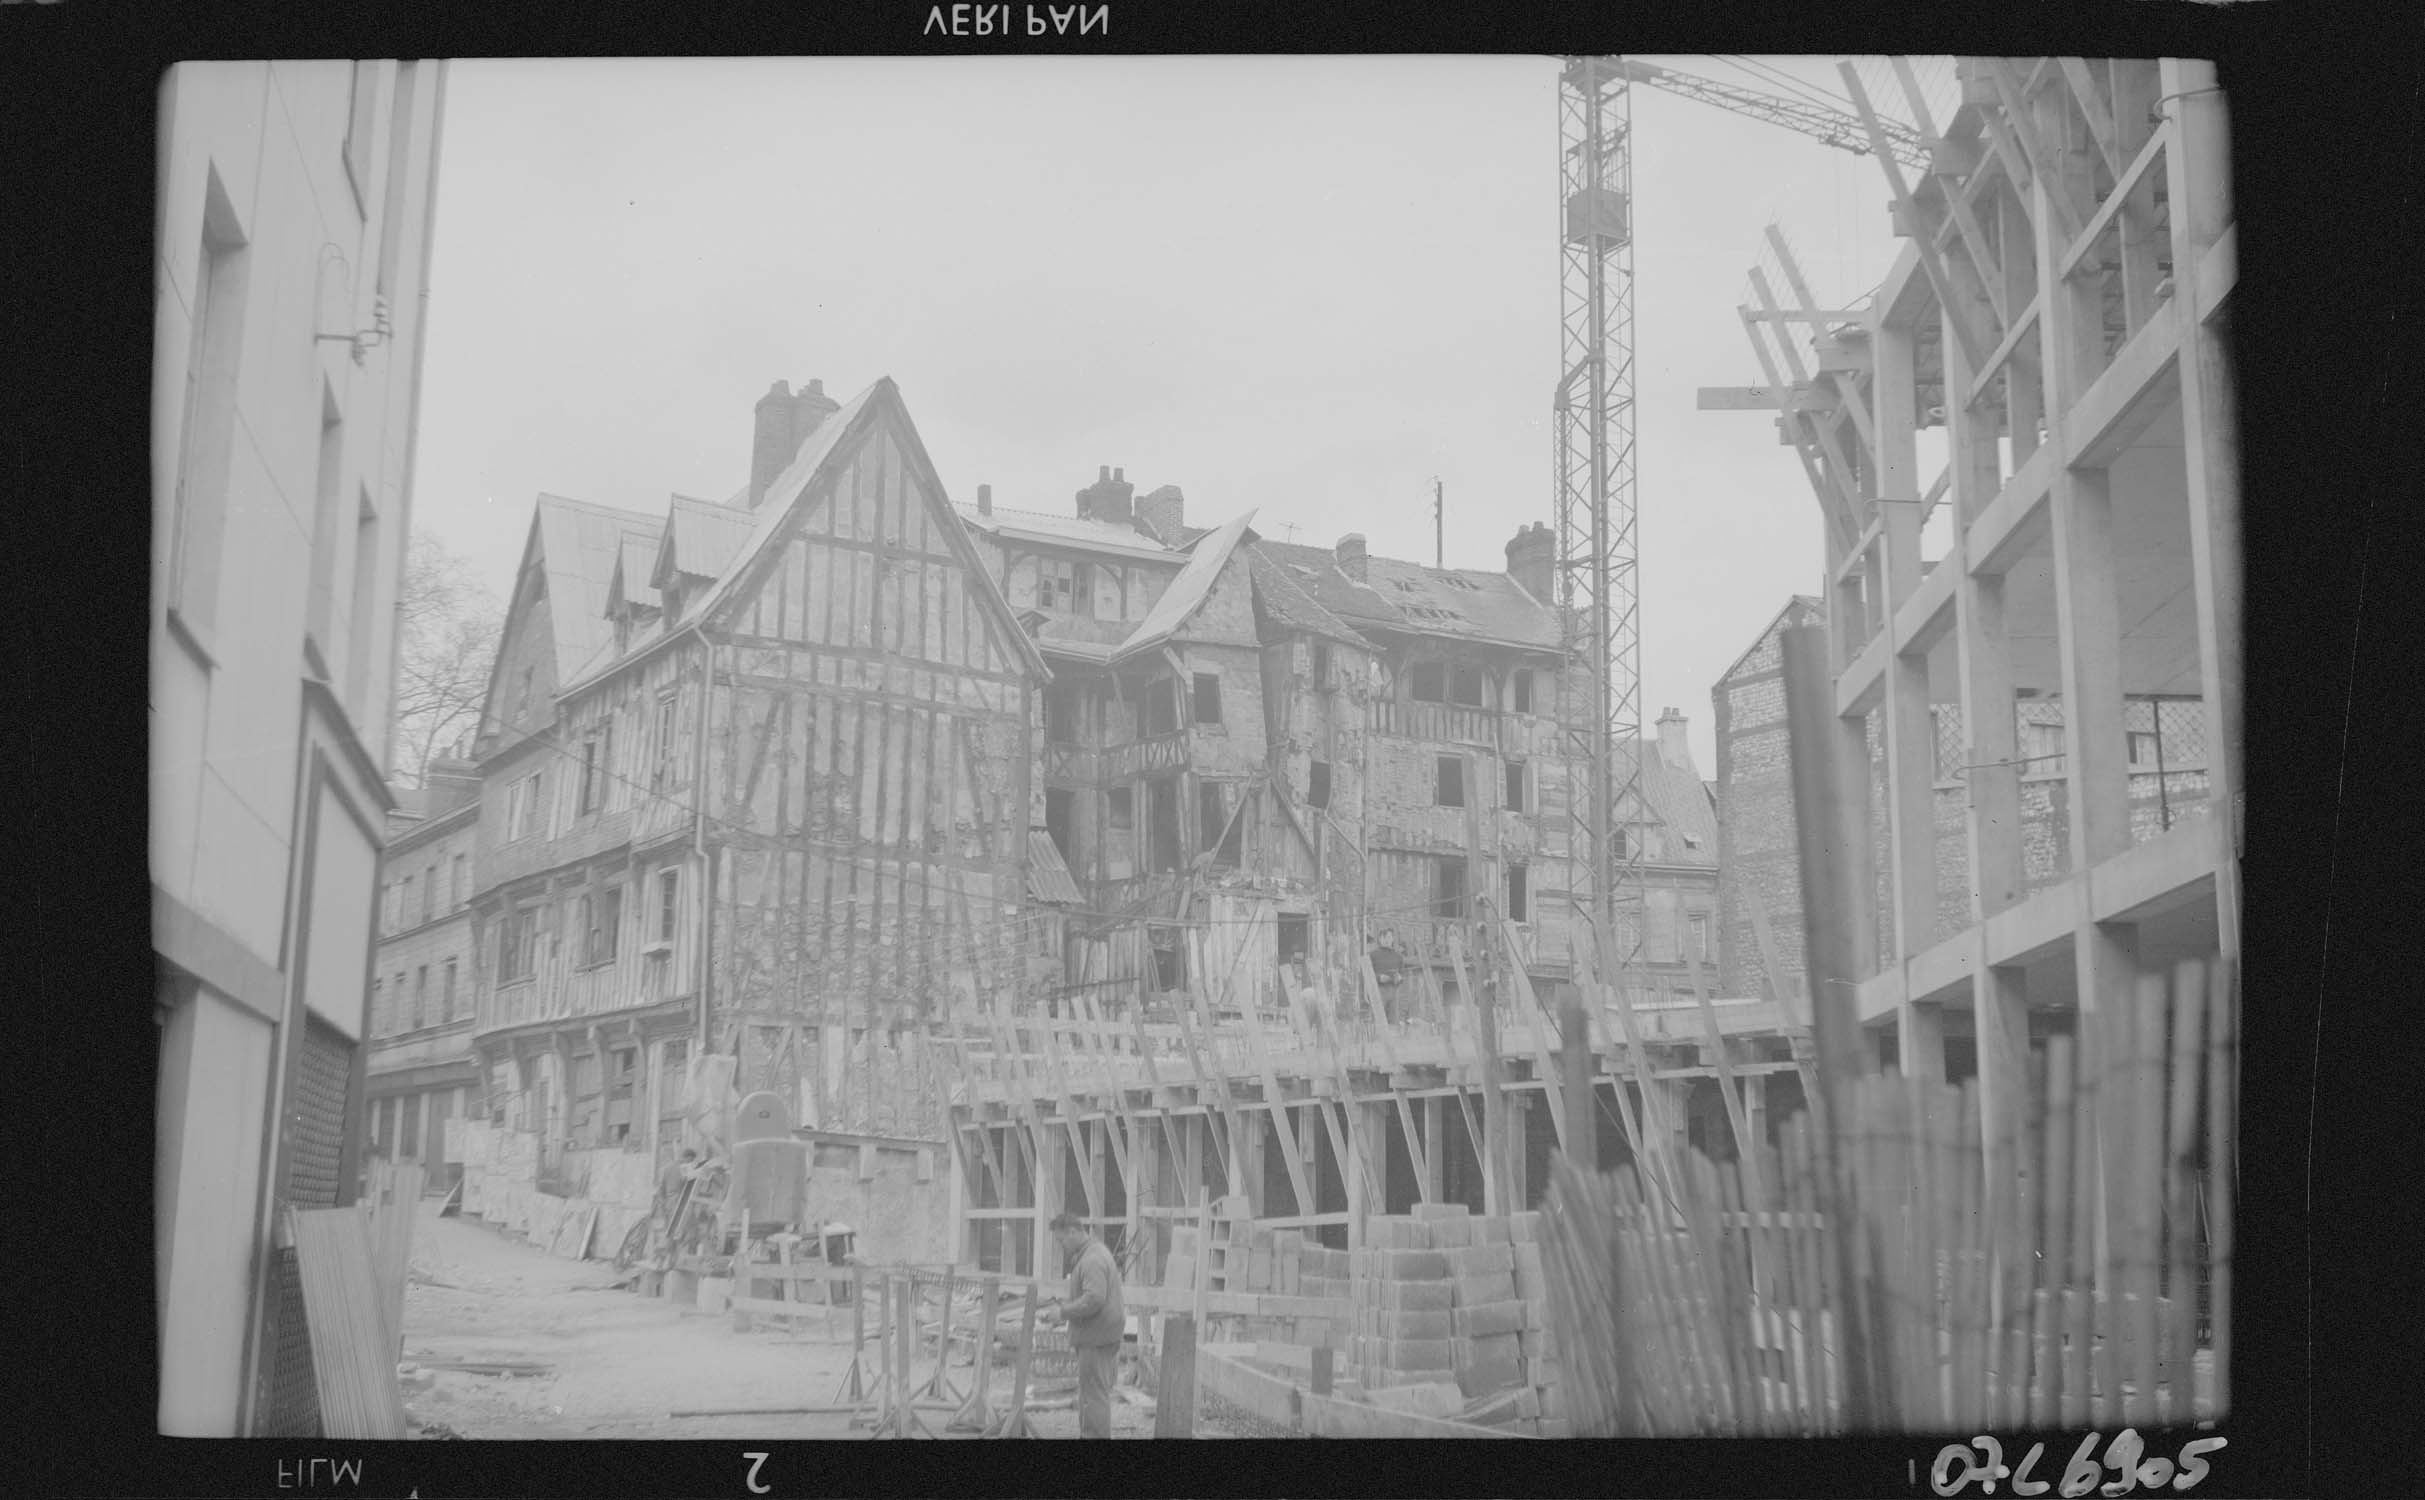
618	1365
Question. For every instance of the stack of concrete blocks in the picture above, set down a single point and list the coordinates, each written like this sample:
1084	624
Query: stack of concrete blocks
1401	1347
1536	1344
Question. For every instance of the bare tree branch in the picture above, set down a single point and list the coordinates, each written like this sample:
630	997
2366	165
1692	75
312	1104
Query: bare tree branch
447	626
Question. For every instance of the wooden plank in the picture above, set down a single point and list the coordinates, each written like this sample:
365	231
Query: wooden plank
1543	1030
1253	1033
353	1349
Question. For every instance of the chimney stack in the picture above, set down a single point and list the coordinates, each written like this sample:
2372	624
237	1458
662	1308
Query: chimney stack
784	421
1532	560
985	499
1350	554
1672	746
1107	499
1162	515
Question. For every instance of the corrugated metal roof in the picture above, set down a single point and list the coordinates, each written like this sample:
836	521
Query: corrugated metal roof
580	544
1047	874
1188	591
631	574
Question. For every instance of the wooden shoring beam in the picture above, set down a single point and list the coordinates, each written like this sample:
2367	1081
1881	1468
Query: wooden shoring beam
1070	1116
1282	1126
1358	1141
1112	1091
2137	172
1211	1080
1832	501
2134	97
1406	1109
1747	1149
1846	472
1545	1032
1653	1142
1163	1098
1004	1039
1848	393
1325	1051
2043	168
1932	265
2096	109
968	1071
1486	1045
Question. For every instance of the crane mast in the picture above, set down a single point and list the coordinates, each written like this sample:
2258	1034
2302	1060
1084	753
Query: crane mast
1596	511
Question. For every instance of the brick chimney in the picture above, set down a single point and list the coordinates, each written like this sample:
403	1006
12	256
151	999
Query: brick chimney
1350	554
985	499
1672	746
1532	560
1107	499
784	421
1162	515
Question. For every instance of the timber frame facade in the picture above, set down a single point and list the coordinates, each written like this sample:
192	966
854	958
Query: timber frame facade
774	807
2063	308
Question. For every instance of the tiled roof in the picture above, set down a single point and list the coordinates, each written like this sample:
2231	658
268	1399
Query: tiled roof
1047	874
579	546
1188	591
1287	603
1079	532
1679	799
1462	603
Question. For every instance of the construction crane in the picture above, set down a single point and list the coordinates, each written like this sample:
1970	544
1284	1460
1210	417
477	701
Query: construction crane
1598	556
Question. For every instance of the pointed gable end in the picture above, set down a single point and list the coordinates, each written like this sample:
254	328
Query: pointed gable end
856	547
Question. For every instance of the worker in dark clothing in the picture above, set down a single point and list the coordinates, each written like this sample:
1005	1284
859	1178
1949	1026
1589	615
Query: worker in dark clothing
1096	1318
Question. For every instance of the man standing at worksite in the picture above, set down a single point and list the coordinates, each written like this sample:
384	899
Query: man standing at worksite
1097	1321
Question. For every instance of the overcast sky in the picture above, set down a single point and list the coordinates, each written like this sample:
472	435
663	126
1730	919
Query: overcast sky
1305	287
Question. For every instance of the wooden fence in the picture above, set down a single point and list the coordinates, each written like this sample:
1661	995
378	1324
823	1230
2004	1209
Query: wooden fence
1875	1273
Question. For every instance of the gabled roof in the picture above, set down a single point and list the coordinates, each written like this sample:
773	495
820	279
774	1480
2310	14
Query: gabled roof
1458	603
577	545
701	537
1188	591
1048	878
1801	601
1678	798
630	585
834	440
1288	604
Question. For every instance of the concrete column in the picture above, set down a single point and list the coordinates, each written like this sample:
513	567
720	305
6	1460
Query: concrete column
1920	1041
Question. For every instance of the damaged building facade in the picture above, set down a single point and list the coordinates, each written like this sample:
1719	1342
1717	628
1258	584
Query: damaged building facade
1307	806
754	782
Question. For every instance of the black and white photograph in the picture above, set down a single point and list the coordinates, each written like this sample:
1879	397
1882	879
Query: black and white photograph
1362	744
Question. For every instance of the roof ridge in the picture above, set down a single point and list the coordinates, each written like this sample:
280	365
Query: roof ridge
595	508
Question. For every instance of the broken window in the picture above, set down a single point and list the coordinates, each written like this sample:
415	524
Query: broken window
1426	682
1519	893
1162	825
669	887
1515	786
1292	947
1170	958
1121	810
1215	829
1162	706
1060	808
592	783
663	773
1465	686
1450	791
1317	789
1448	888
1208	698
1321	665
1522	690
1057	584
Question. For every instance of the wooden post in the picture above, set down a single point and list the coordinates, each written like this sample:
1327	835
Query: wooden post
1175	1408
1828	949
1574	1059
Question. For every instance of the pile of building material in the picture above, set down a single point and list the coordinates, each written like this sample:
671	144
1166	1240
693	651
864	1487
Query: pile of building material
1450	1318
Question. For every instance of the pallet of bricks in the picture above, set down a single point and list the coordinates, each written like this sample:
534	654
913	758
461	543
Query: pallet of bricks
1451	1319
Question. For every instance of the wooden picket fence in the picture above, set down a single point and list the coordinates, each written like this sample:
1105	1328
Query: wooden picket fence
1919	1268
